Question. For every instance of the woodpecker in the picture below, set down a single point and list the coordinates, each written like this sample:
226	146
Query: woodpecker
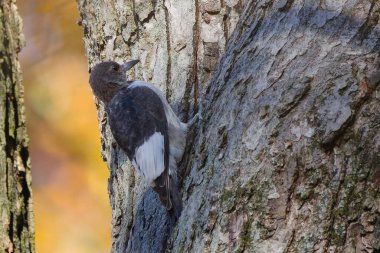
144	126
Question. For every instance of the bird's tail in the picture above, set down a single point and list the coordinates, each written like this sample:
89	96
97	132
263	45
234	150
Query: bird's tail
169	196
175	198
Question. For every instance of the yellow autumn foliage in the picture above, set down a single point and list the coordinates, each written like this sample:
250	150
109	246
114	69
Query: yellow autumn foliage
69	178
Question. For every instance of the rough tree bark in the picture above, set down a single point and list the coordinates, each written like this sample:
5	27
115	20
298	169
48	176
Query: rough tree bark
16	218
287	156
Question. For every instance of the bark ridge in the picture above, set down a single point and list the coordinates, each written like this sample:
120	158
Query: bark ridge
286	159
17	219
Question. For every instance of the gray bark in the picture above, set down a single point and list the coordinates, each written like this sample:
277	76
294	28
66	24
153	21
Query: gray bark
287	156
16	218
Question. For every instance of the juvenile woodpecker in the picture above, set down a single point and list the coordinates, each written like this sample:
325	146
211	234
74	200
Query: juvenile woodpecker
144	126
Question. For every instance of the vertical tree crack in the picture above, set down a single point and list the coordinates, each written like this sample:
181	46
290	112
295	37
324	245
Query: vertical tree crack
169	64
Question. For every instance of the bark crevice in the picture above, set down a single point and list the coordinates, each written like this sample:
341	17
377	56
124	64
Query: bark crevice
289	135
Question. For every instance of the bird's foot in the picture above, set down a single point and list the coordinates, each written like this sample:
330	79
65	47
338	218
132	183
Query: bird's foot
197	116
195	119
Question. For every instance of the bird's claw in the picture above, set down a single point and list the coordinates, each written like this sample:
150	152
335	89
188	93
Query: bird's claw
191	122
197	117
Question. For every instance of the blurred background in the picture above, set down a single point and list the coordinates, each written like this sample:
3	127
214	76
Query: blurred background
71	204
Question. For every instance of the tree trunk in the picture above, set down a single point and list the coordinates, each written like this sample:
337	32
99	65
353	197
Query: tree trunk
286	158
17	219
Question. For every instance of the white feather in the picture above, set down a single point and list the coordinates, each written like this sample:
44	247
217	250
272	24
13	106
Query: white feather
176	129
149	157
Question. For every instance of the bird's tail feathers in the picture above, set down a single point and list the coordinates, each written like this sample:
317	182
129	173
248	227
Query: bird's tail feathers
163	193
170	197
176	199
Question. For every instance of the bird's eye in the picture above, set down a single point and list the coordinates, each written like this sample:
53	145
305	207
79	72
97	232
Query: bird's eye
115	67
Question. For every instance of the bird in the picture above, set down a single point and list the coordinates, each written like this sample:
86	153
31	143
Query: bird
144	126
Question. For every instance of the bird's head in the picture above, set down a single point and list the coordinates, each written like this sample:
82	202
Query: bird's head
107	78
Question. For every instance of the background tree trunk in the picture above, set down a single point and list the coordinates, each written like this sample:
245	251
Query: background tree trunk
287	157
16	219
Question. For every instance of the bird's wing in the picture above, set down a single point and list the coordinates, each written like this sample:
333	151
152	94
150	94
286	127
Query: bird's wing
138	123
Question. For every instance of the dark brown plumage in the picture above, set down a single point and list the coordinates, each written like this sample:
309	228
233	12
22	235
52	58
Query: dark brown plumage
137	115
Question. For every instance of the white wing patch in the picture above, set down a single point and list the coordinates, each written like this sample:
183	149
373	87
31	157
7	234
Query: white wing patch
149	157
176	129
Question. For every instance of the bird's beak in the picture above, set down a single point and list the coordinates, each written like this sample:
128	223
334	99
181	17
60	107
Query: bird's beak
128	65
